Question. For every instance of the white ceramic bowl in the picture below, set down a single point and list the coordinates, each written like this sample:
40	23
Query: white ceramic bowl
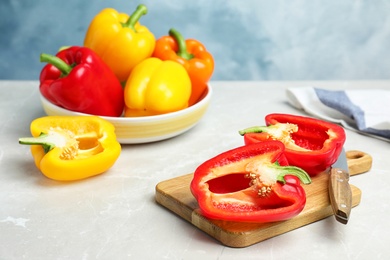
133	130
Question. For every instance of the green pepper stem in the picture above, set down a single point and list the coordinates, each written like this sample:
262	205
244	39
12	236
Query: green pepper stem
40	140
291	170
56	62
135	16
181	43
254	129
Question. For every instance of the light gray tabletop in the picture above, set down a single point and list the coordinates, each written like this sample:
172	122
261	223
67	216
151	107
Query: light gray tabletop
115	216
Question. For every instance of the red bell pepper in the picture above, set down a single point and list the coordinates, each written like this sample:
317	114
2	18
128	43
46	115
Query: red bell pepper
190	53
78	80
311	144
250	184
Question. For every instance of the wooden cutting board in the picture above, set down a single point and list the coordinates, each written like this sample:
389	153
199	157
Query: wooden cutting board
175	195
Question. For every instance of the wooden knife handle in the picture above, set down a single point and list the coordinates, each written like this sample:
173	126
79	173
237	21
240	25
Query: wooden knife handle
358	162
340	194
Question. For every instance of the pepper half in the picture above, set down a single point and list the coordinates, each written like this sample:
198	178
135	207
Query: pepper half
311	144
250	184
69	148
120	40
190	53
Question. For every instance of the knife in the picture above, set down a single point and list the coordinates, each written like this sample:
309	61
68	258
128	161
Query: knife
340	193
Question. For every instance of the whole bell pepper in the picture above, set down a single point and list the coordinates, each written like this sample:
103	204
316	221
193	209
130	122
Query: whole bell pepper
192	54
120	40
78	80
311	144
156	87
250	184
69	148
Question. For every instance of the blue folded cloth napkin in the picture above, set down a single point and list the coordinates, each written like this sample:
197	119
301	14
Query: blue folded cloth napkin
363	110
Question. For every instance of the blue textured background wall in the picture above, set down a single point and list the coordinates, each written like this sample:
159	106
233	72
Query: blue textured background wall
250	40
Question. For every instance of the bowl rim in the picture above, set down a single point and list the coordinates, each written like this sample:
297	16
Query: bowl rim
204	100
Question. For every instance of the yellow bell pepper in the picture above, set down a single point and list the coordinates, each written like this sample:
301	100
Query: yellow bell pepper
69	148
121	41
157	87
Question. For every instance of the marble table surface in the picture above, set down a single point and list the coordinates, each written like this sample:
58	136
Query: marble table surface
115	216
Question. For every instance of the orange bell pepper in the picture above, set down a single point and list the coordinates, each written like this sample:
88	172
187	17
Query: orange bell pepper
192	54
121	41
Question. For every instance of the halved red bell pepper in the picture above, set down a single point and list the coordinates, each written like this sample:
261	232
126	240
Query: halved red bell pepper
311	144
250	184
78	80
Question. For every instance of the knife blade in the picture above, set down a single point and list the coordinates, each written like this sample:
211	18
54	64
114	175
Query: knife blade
340	193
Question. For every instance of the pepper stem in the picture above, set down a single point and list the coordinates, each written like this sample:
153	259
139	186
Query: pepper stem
291	170
135	16
254	129
56	62
181	43
42	139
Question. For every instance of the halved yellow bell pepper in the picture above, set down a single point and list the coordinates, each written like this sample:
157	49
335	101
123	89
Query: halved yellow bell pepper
120	40
157	87
69	148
